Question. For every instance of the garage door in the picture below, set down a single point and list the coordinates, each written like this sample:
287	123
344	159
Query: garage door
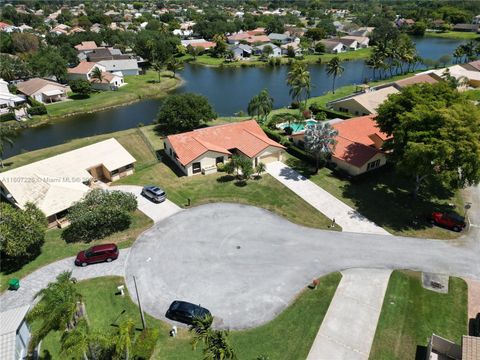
269	158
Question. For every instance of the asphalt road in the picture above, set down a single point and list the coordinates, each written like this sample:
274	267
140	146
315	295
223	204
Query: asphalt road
246	264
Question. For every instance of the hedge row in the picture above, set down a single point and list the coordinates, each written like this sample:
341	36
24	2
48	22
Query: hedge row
36	107
291	148
7	117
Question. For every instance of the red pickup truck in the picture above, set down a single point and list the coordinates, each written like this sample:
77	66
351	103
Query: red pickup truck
448	220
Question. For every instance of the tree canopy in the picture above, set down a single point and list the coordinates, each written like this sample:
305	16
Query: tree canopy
434	133
184	112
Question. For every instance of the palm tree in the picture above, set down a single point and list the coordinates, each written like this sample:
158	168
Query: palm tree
298	79
6	138
320	140
334	69
261	105
375	62
260	168
174	65
97	75
81	341
216	342
56	308
158	67
123	339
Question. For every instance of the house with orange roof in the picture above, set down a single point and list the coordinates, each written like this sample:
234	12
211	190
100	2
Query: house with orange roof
199	151
359	145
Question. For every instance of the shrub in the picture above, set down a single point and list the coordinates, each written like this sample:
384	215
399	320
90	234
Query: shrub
7	117
294	105
220	167
81	87
288	130
145	344
99	214
36	107
272	134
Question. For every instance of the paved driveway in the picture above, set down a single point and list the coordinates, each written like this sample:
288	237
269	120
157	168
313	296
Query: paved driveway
156	212
349	219
348	329
246	264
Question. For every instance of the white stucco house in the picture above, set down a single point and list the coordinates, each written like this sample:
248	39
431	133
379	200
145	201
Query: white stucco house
7	99
199	151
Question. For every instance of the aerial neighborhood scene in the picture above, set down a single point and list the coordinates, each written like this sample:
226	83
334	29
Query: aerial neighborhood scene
240	179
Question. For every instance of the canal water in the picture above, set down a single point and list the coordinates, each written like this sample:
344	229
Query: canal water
228	89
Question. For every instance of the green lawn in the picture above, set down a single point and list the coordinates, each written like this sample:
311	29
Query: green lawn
410	314
384	197
137	88
289	336
454	35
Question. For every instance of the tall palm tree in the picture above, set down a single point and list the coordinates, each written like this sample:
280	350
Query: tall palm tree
320	140
261	105
81	341
6	138
298	79
334	69
56	308
123	339
174	65
97	75
158	67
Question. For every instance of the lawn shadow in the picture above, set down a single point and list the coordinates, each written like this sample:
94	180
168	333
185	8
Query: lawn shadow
301	167
240	183
169	163
79	97
421	353
385	197
225	178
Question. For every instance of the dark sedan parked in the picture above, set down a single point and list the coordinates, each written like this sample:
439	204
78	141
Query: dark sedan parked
185	312
154	193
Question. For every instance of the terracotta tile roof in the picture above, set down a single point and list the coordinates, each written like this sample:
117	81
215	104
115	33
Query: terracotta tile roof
204	44
86	45
355	140
246	136
83	67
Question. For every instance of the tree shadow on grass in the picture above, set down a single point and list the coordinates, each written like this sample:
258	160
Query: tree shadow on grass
79	97
385	197
240	183
301	167
225	178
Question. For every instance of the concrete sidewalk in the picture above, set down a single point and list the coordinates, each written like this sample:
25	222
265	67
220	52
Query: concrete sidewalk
348	329
349	219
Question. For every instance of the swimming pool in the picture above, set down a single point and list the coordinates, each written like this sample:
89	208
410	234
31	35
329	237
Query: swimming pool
297	127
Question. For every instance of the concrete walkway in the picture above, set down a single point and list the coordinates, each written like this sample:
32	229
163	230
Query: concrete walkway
156	212
348	329
349	219
31	284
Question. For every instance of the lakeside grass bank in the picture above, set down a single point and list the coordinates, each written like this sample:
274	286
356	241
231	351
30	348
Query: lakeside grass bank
457	35
139	87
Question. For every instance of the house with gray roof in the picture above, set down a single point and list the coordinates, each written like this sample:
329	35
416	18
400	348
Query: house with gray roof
277	51
280	38
125	66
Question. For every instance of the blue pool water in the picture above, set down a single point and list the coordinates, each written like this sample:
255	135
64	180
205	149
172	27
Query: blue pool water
296	127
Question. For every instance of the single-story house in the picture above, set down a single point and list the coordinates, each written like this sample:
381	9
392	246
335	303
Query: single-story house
55	183
351	44
241	51
61	29
281	38
199	151
429	78
334	46
362	41
84	71
125	66
277	51
365	103
363	31
295	45
199	43
468	74
7	99
182	33
359	145
103	53
249	37
466	27
14	334
44	91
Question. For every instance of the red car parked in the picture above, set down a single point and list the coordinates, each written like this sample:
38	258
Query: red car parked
96	254
448	220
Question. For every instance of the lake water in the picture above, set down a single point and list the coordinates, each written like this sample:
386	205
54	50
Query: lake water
228	89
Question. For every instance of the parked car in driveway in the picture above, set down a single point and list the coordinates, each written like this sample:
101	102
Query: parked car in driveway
185	312
96	254
154	193
451	221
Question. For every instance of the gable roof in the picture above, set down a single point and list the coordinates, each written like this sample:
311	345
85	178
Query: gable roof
31	86
371	100
246	136
429	78
83	67
355	144
11	321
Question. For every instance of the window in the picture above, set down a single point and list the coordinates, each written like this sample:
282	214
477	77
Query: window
129	166
219	159
196	167
171	152
114	172
373	165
